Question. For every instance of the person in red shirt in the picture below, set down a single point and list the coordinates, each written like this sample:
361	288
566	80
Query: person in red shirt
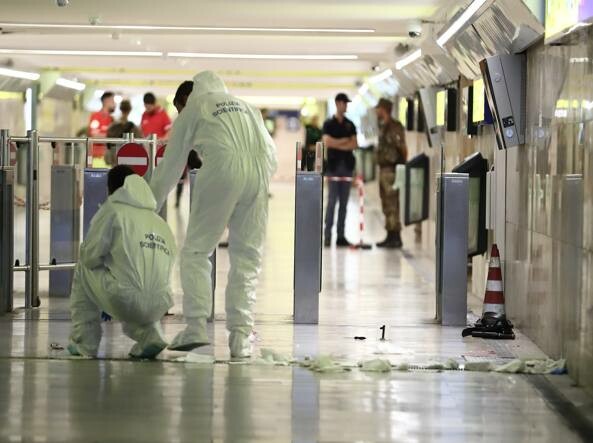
155	119
99	122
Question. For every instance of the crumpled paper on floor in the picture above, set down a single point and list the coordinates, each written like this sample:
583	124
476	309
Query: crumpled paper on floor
450	364
273	358
323	364
547	366
375	365
479	366
405	366
195	358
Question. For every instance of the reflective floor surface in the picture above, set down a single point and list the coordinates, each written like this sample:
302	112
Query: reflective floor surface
47	397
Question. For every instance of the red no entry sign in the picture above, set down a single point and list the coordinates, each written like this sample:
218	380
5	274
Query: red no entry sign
159	154
135	156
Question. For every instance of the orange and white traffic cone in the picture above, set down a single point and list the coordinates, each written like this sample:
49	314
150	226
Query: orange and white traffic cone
494	297
493	323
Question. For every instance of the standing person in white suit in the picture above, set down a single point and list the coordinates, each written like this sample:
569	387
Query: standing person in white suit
231	188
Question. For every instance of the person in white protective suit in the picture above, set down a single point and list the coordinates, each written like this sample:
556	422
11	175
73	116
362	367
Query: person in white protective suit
231	188
124	269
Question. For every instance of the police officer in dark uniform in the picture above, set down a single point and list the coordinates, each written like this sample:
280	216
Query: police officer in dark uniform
339	136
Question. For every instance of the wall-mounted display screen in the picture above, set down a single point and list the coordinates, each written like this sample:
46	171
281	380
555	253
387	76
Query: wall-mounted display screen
411	114
420	120
477	236
417	192
561	15
478	102
440	111
468	107
452	105
403	111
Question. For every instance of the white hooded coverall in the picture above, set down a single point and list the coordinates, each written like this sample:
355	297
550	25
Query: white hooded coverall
124	269
231	188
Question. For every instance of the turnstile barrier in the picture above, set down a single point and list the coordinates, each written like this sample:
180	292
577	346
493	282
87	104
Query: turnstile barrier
6	238
307	239
95	194
32	266
451	248
64	226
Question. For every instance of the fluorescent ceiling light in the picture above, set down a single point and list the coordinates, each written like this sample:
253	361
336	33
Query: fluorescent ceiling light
262	56
460	21
19	74
363	89
81	53
188	28
179	54
408	59
383	76
71	84
273	100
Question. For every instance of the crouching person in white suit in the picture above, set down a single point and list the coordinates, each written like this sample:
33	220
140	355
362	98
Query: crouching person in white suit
124	269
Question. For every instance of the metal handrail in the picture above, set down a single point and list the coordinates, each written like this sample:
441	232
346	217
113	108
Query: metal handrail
33	140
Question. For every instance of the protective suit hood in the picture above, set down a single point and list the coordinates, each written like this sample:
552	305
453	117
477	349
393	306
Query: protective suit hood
206	82
135	192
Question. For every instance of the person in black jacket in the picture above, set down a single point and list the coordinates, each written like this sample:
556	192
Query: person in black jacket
339	136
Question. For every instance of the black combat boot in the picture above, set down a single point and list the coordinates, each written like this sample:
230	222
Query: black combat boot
342	242
392	241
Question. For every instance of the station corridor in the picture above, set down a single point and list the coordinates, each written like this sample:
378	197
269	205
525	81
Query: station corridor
48	396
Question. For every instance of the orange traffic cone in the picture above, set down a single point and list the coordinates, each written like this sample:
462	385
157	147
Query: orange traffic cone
493	323
494	297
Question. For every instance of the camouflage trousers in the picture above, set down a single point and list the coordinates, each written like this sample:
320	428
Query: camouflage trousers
389	199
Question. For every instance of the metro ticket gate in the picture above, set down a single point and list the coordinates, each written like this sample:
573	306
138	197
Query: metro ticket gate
64	226
65	219
6	225
308	229
451	248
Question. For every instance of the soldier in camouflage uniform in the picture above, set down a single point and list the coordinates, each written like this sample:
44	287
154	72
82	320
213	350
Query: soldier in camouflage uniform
392	151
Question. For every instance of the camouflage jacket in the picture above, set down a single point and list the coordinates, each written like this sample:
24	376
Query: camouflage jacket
392	144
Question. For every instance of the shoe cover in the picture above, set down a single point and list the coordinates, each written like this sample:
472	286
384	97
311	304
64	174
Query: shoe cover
150	346
240	345
193	336
78	350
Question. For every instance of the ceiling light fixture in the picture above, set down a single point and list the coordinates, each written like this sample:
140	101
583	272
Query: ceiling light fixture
188	28
19	74
71	84
274	100
81	53
412	57
383	76
460	21
262	56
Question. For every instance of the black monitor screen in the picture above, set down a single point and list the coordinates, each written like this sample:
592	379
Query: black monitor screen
477	236
417	182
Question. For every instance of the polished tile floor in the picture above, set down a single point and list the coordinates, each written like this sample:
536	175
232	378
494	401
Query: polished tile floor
47	397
